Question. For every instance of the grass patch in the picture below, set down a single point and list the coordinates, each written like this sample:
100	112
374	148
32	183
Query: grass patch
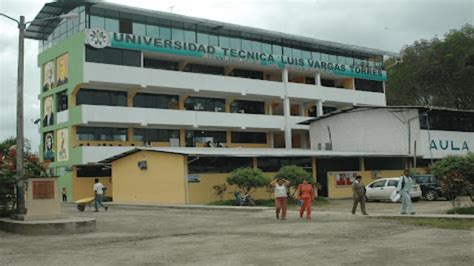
269	202
465	210
456	224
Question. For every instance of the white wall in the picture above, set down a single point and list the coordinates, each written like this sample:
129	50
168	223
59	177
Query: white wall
167	117
444	143
95	154
376	130
135	76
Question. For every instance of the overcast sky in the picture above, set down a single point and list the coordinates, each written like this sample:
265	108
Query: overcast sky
386	25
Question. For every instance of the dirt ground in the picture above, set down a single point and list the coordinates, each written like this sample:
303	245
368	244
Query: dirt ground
143	235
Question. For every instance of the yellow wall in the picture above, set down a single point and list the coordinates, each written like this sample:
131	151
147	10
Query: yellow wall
82	187
162	182
202	192
348	83
341	192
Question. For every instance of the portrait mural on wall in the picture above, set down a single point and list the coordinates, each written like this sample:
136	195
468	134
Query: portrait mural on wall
48	154
48	75
345	178
62	69
62	144
48	115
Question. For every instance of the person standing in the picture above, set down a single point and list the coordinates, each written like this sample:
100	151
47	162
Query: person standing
280	186
358	195
99	193
405	183
305	192
64	193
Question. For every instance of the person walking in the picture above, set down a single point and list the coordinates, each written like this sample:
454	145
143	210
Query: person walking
99	193
358	195
280	186
405	183
305	192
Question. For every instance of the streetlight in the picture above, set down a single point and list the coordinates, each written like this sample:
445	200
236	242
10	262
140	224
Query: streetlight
20	139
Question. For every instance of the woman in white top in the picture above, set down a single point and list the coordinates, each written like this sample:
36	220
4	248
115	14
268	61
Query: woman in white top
281	196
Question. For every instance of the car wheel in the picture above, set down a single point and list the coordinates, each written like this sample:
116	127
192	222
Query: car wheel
415	199
431	195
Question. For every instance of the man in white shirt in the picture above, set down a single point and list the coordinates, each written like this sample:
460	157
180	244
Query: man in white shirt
99	193
404	186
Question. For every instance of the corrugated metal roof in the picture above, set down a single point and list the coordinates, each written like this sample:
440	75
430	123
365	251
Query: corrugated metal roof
360	108
251	152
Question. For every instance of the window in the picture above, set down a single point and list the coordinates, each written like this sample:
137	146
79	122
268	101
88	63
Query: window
368	85
380	183
125	26
165	33
392	183
62	102
160	64
94	171
328	83
112	25
246	74
273	164
248	107
139	29
204	104
202	137
154	135
204	69
384	163
113	56
447	121
276	49
249	137
190	36
202	38
97	22
153	31
177	34
159	101
100	97
217	164
101	134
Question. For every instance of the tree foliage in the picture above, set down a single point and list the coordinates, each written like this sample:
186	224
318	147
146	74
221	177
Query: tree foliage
247	179
32	166
295	175
456	174
436	72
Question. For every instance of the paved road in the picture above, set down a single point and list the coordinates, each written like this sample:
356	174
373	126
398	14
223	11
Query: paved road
134	235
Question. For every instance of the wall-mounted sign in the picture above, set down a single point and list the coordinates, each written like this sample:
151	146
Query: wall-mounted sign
43	189
345	178
96	38
438	144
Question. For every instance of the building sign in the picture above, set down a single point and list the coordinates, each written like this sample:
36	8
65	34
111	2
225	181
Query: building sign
438	144
143	43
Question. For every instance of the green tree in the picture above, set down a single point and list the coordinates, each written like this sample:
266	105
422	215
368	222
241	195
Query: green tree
295	175
456	174
436	72
247	179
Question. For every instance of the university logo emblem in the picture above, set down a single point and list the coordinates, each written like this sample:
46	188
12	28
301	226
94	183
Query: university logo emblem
97	38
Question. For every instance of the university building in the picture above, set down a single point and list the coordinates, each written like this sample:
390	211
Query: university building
120	78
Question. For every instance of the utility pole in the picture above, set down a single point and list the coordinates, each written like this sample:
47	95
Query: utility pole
20	137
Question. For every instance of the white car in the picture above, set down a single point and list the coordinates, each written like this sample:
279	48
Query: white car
381	189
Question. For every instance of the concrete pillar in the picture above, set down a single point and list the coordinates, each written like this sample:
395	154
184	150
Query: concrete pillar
270	108
286	110
361	164
353	83
271	140
317	79
319	108
302	109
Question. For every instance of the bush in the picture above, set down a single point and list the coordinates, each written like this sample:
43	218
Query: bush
456	174
295	175
247	179
465	210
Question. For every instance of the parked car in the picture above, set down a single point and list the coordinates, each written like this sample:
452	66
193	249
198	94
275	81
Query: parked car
381	189
430	187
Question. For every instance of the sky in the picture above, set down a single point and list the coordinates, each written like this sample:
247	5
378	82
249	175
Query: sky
387	25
